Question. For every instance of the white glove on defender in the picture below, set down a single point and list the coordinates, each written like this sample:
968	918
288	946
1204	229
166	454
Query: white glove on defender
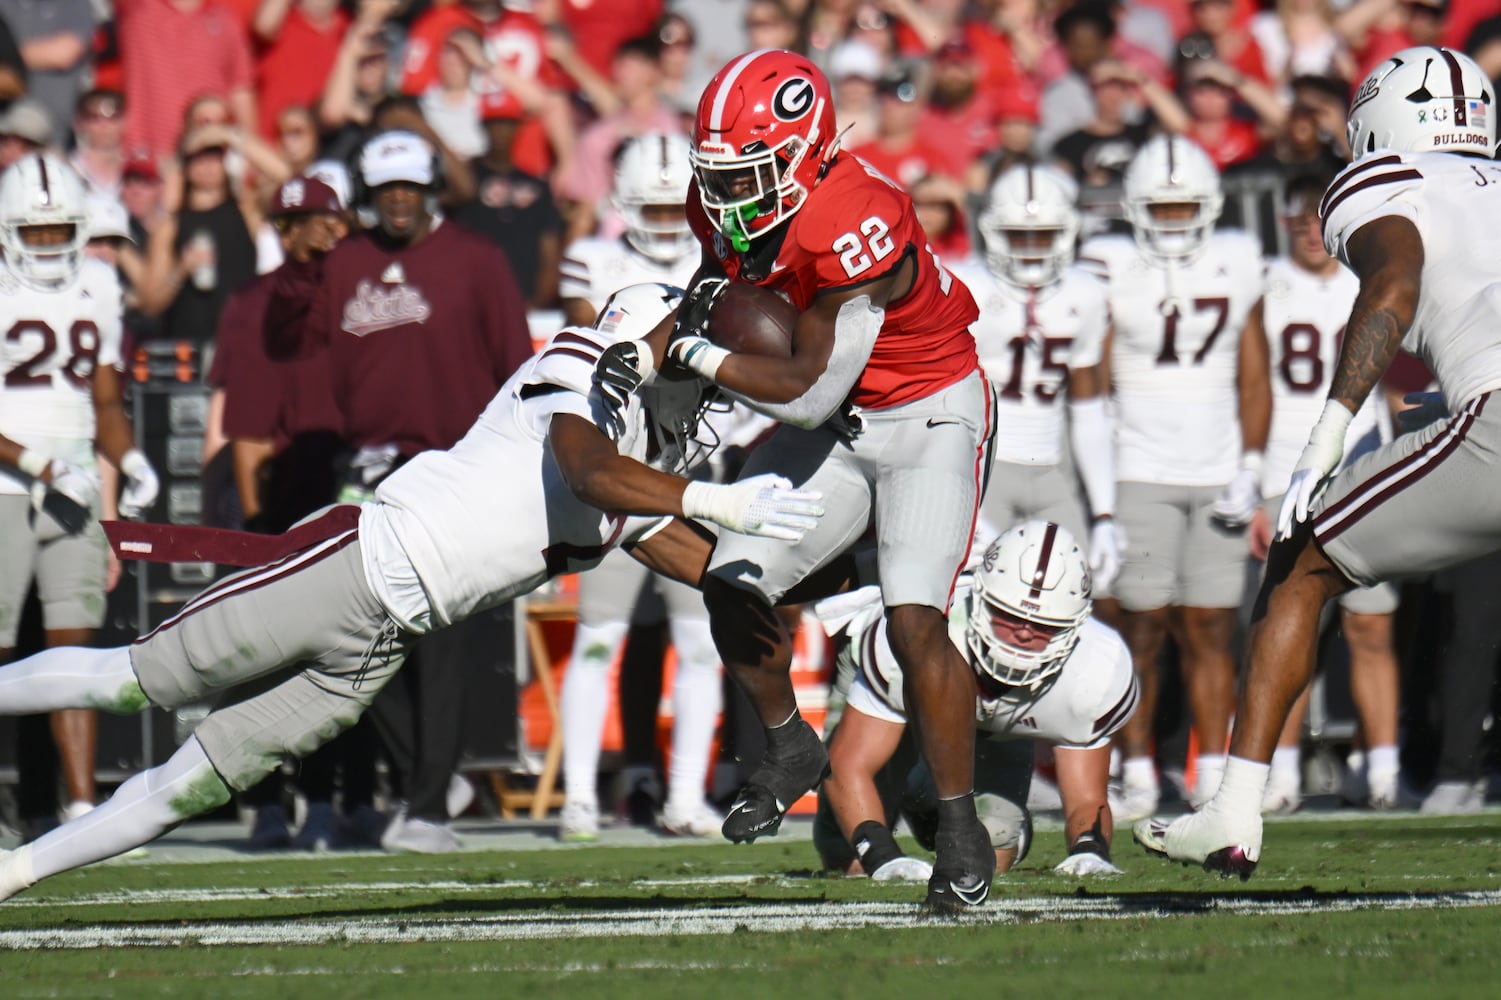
1086	863
1107	540
1326	446
1241	497
141	485
764	505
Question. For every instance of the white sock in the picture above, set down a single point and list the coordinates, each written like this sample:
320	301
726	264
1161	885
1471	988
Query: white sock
1209	769
1287	762
583	703
1241	789
696	695
1138	772
142	809
71	677
1383	760
1355	761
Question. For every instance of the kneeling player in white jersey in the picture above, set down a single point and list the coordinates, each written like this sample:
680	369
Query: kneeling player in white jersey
60	395
1041	331
651	185
1045	671
545	482
1189	367
1308	298
1410	218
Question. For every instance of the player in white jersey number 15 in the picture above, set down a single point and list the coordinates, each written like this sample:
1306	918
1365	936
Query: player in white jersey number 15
1040	336
1408	217
60	317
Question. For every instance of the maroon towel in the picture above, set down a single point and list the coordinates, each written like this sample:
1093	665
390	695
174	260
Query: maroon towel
190	543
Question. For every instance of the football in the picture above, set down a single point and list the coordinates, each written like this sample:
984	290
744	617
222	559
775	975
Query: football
748	319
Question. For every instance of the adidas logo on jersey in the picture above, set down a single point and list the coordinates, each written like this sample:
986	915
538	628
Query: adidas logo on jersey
393	274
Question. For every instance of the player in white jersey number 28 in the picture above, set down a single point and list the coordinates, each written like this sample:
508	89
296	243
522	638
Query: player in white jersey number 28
60	315
342	598
1408	217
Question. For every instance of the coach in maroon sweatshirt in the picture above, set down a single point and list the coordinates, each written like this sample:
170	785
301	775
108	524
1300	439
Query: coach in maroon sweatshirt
422	317
423	322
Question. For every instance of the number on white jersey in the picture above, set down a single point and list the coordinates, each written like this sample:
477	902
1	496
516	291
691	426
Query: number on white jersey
44	362
1046	390
1217	304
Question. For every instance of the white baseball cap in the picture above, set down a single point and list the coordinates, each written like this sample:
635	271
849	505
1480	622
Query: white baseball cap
107	218
396	156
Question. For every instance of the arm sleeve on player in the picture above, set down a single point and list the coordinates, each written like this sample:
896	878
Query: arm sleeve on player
296	317
111	317
1367	190
1088	296
855	330
1092	437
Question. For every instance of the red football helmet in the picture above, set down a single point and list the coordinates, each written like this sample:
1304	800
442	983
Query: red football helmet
764	134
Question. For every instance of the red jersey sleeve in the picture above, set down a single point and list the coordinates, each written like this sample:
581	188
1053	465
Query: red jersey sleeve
857	236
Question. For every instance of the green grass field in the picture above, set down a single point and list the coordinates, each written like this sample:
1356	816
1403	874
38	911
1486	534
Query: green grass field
1393	906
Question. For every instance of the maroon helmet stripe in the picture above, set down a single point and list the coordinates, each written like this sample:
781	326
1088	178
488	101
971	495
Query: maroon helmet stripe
41	165
1030	196
1391	159
1041	575
1457	87
1388	178
1172	164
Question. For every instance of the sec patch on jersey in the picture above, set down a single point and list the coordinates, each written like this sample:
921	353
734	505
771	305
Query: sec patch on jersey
748	319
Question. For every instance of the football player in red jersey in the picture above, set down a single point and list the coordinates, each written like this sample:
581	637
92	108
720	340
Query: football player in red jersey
883	407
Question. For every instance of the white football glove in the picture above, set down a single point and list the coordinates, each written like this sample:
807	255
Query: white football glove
766	506
1086	863
1107	540
1424	408
1239	501
1326	446
141	485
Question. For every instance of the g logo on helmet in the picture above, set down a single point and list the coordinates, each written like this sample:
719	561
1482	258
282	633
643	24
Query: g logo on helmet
792	99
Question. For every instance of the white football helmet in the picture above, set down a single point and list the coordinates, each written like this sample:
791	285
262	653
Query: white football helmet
1171	170
1037	573
654	170
676	399
1424	99
1026	204
41	190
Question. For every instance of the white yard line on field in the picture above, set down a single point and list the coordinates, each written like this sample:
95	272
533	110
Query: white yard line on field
761	917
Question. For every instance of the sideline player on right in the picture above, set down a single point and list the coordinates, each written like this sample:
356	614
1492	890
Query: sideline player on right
1410	219
1308	297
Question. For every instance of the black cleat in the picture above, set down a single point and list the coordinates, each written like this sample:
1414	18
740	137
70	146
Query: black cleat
783	777
963	870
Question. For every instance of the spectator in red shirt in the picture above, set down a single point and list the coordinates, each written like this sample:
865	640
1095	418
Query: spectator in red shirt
300	41
599	29
1210	91
959	117
1217	34
1377	28
174	51
939	202
899	149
